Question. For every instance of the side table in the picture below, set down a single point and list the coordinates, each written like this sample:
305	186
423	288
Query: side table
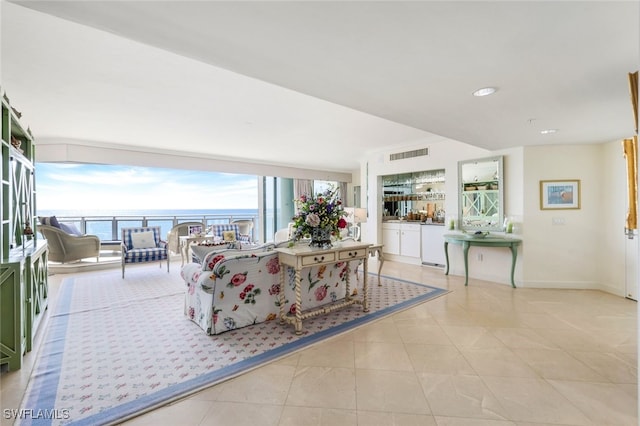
302	256
467	241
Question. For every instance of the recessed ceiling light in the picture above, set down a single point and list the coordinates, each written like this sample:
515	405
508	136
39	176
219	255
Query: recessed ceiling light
485	91
548	131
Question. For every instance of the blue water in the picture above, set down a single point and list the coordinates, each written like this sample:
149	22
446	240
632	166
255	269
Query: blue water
101	223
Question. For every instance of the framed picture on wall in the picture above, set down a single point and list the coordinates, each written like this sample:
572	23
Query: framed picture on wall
559	194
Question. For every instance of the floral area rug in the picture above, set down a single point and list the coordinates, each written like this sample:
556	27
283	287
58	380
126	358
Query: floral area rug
115	348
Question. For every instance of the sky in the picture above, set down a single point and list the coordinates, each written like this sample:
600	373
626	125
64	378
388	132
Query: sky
106	187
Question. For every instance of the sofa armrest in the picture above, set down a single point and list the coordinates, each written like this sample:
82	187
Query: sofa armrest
248	257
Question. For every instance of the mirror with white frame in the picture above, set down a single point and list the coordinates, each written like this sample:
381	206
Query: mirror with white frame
481	197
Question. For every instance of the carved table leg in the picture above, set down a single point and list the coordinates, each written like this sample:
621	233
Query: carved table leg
365	286
281	296
298	322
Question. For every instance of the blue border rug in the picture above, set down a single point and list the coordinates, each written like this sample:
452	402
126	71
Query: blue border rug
117	348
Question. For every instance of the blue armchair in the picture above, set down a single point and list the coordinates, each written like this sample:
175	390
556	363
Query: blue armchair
143	245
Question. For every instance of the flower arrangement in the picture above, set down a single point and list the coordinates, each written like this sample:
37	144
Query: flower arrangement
319	218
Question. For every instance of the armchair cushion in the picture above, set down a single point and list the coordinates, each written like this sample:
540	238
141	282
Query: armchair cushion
143	240
70	228
49	221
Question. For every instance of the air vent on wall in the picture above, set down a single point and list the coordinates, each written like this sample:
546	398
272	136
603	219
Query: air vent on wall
409	154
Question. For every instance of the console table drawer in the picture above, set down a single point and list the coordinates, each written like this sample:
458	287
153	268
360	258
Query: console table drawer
352	254
314	259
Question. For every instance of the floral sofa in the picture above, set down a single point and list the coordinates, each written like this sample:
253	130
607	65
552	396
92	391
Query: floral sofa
236	288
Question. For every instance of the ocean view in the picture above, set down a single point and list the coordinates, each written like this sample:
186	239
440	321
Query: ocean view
100	222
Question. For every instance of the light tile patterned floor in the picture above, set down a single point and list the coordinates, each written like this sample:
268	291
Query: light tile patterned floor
482	355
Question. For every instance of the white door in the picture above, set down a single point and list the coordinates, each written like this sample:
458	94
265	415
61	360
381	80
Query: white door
631	266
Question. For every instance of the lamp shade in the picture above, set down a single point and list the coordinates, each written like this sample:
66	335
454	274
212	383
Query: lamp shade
359	215
350	213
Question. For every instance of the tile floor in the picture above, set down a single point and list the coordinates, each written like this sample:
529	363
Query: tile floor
482	355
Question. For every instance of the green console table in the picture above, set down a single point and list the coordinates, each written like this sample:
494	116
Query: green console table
468	240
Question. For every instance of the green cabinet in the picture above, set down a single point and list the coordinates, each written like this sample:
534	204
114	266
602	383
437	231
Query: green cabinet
12	319
23	258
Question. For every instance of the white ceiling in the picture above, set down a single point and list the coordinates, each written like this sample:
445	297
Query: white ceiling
317	84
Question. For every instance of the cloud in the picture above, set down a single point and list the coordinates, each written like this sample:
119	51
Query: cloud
83	187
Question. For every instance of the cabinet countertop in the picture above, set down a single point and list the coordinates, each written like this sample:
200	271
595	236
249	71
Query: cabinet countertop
414	222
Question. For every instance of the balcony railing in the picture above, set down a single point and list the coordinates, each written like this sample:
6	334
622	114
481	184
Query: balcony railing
108	228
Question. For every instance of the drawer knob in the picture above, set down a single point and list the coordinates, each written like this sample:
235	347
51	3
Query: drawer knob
318	260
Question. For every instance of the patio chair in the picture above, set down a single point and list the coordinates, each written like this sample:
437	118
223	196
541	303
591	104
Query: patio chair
180	230
65	247
246	227
143	244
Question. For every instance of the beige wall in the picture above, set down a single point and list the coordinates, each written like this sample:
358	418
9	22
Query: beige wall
585	252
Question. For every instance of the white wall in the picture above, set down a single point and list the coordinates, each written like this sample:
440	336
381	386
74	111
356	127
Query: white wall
443	154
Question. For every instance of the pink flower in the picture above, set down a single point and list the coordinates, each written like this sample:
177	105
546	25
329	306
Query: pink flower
273	266
313	219
238	279
215	260
321	293
243	295
274	289
342	223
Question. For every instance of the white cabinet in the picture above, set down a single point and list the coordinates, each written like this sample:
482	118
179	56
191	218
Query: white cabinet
402	239
391	238
410	239
433	245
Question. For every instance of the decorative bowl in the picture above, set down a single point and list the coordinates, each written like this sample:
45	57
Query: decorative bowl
478	234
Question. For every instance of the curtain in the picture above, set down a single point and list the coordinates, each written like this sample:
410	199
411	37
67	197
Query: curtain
342	192
302	187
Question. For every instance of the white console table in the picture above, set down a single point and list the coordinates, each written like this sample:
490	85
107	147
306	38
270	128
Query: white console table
302	256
